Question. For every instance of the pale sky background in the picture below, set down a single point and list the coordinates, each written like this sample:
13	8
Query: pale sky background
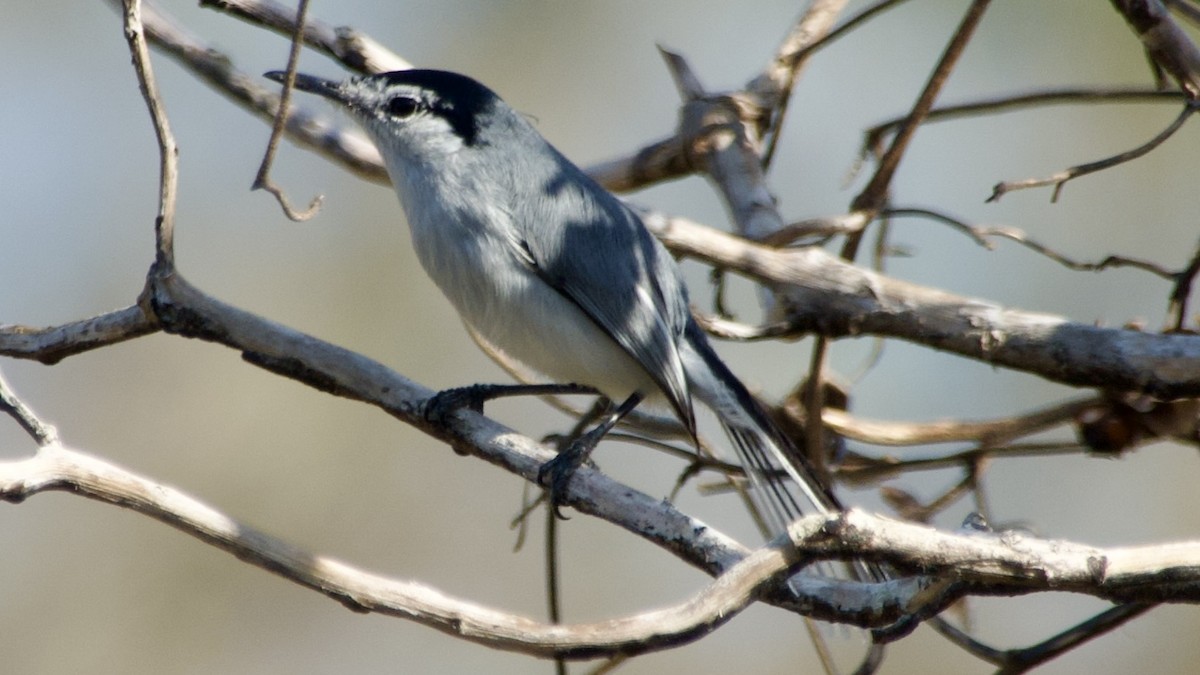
86	587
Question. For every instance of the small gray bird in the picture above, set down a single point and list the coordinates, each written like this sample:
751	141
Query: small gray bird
552	269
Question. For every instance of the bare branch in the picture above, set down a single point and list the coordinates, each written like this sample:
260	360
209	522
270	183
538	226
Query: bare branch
51	345
724	148
988	433
353	49
774	85
873	137
1166	43
754	109
349	150
980	235
1059	180
44	434
59	468
874	195
832	297
263	181
1183	290
164	228
979	563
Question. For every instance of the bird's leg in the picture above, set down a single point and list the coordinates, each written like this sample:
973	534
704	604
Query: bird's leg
600	408
441	405
561	441
556	474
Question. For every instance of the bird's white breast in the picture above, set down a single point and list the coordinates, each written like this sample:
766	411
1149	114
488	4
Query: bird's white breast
470	252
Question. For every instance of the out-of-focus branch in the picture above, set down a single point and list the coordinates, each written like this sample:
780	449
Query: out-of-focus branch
1013	661
352	48
1178	306
773	87
349	149
982	235
874	195
168	151
44	434
1168	46
990	432
1060	179
722	134
874	136
263	180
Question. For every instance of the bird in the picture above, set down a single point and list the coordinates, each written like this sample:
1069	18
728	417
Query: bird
555	271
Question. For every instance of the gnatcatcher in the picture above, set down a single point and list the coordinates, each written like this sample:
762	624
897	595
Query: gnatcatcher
552	269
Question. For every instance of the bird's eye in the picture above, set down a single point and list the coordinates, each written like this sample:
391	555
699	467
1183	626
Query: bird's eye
403	106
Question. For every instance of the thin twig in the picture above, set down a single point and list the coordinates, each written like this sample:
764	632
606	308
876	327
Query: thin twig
987	433
966	642
793	60
873	136
980	234
772	89
42	433
1059	180
1023	660
1013	661
353	49
348	148
262	181
1177	308
164	228
874	195
553	600
864	470
814	403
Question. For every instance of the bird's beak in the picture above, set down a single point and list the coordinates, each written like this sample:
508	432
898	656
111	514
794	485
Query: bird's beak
314	85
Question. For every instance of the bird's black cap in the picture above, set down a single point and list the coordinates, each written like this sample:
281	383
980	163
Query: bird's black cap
460	100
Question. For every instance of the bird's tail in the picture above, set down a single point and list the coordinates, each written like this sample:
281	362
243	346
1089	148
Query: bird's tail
784	483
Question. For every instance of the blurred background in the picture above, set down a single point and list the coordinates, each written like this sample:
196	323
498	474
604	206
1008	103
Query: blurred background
90	588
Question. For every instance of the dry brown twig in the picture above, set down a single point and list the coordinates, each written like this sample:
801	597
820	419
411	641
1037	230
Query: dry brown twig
1060	179
356	51
982	234
262	181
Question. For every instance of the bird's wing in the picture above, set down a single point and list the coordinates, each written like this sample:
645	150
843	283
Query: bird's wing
604	261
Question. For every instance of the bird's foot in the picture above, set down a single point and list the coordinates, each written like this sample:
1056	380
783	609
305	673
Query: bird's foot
555	475
439	407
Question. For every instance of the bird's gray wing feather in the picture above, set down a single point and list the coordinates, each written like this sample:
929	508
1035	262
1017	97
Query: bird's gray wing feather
605	262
